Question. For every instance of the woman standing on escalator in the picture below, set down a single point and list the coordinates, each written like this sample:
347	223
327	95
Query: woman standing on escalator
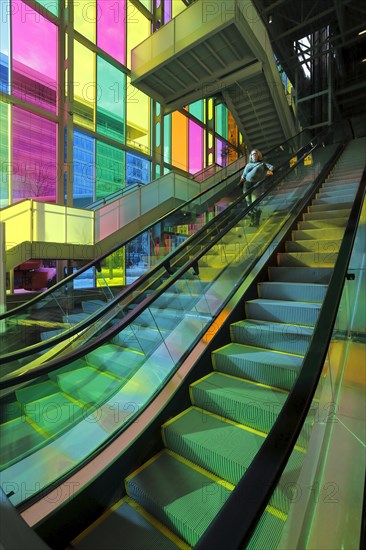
254	171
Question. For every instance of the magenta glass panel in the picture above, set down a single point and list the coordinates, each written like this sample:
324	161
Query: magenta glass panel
167	10
34	157
195	145
34	46
111	28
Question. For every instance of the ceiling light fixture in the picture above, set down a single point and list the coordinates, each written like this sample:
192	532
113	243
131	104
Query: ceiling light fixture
270	19
362	32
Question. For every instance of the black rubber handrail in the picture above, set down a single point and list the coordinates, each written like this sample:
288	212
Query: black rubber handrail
49	366
98	260
261	478
193	240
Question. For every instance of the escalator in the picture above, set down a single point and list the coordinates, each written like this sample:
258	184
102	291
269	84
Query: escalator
209	446
246	367
65	308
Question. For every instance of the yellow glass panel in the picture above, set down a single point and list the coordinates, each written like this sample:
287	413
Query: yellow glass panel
85	18
84	86
138	118
177	7
180	141
138	28
210	109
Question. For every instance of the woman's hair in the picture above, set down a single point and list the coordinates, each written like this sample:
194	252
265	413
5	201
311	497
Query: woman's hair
260	156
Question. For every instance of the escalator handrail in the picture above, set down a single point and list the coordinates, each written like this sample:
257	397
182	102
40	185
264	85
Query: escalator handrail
261	478
53	364
96	261
40	346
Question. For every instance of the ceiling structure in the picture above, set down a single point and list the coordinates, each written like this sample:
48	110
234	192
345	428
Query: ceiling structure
331	82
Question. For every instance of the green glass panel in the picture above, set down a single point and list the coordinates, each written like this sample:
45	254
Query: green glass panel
4	155
111	101
196	109
222	121
50	5
110	170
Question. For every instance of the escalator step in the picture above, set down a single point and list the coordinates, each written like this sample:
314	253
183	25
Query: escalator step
289	338
318	234
222	447
253	405
55	412
302	292
127	527
119	361
257	364
323	223
281	311
88	385
18	438
315	246
180	495
330	208
309	259
320	275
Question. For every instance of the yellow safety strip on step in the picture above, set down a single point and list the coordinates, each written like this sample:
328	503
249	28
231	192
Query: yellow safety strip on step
232	422
241	426
265	386
41	431
98	521
277	513
264	349
200	470
159	526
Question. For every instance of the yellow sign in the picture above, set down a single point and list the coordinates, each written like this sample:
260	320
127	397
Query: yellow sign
293	161
308	161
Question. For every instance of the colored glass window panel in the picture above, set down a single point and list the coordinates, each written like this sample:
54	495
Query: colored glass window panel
110	172
147	4
34	160
85	18
84	86
5	47
221	120
167	10
50	5
111	101
180	141
138	118
137	169
196	109
111	28
34	65
177	7
222	152
168	138
138	28
83	169
4	154
195	147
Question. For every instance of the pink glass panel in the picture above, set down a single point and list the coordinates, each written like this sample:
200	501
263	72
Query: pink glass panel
111	28
34	157
34	46
195	147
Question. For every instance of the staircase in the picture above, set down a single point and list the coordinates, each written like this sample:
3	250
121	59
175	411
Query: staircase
173	498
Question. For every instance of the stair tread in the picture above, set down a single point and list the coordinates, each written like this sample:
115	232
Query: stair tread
125	523
257	354
277	326
284	303
171	487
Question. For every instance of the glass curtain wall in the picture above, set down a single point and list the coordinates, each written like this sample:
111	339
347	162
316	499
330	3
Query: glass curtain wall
73	127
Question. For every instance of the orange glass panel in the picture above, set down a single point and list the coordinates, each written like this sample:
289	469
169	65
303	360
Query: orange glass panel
180	141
